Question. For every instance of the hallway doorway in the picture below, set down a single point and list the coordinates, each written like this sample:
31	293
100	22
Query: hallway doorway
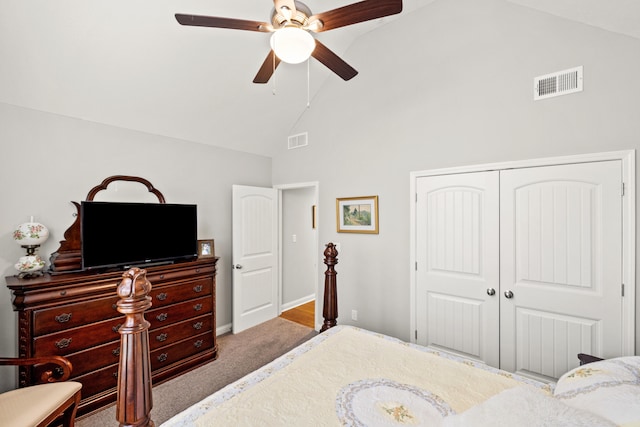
299	256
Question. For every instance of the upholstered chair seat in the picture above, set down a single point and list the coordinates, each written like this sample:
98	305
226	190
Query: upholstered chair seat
41	404
31	406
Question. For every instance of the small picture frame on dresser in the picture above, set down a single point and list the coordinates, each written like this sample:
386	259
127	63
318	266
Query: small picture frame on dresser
206	249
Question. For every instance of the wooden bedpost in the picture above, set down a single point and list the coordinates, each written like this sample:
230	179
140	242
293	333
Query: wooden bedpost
330	309
134	400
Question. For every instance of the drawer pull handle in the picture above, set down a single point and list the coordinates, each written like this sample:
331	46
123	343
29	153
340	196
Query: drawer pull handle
114	306
162	296
162	317
197	270
197	307
162	337
63	318
115	352
198	343
162	276
163	357
115	375
198	325
63	343
198	288
117	327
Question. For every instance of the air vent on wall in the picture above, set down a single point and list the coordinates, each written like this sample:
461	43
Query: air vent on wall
558	83
297	141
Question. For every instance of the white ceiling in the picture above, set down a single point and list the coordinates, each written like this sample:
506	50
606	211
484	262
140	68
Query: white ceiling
128	63
619	16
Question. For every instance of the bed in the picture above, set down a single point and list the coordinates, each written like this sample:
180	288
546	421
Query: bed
348	376
353	377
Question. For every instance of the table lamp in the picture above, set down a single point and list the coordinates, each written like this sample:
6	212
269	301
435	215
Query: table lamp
30	235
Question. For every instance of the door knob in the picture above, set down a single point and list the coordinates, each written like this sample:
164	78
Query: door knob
491	292
237	267
508	294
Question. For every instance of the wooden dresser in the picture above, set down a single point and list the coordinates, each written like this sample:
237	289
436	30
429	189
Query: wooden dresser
74	315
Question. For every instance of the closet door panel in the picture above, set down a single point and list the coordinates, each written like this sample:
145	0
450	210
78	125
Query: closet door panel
561	248
457	263
547	343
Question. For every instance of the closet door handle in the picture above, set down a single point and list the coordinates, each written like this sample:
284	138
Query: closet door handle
508	294
491	292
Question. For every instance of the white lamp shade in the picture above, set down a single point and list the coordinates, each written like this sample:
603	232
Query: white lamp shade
292	44
30	234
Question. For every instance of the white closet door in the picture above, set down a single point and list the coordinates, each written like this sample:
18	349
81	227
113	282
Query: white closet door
457	264
561	252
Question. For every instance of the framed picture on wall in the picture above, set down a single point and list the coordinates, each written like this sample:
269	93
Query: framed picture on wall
357	214
206	249
314	217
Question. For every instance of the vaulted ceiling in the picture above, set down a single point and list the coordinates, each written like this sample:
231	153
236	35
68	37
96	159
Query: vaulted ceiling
129	64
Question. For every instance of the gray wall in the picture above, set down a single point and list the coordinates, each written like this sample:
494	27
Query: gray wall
459	91
50	160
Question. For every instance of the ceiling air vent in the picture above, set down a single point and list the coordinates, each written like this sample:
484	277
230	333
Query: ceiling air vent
299	140
558	83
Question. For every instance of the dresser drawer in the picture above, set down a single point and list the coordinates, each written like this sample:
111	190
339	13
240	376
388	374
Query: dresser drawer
156	277
165	356
170	314
77	339
99	381
178	331
94	358
70	316
168	295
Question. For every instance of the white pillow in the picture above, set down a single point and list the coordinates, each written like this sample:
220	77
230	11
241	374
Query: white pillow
524	406
609	388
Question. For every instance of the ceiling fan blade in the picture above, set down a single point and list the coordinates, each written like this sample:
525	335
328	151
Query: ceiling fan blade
357	12
268	67
216	22
333	62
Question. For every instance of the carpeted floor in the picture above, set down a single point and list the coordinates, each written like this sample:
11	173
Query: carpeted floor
237	356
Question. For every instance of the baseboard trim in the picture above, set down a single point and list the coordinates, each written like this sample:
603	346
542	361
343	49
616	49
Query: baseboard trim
223	329
296	303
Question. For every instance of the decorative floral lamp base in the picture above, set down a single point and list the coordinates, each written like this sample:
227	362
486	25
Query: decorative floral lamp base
30	266
30	236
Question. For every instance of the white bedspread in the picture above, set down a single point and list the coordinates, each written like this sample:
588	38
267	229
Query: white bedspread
348	376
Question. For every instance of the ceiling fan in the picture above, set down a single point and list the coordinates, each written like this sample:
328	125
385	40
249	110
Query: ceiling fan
292	24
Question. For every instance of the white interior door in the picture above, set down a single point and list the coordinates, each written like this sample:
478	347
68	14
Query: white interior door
254	253
457	298
561	252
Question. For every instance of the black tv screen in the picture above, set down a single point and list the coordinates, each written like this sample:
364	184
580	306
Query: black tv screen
135	234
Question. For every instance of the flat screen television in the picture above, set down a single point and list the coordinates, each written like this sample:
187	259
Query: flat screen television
136	234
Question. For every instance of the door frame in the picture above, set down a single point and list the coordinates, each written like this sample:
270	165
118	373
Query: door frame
628	160
280	189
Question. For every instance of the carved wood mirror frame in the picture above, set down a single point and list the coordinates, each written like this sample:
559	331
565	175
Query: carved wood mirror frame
68	257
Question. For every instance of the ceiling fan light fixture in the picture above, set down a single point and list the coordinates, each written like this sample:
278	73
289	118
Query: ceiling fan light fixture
292	44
